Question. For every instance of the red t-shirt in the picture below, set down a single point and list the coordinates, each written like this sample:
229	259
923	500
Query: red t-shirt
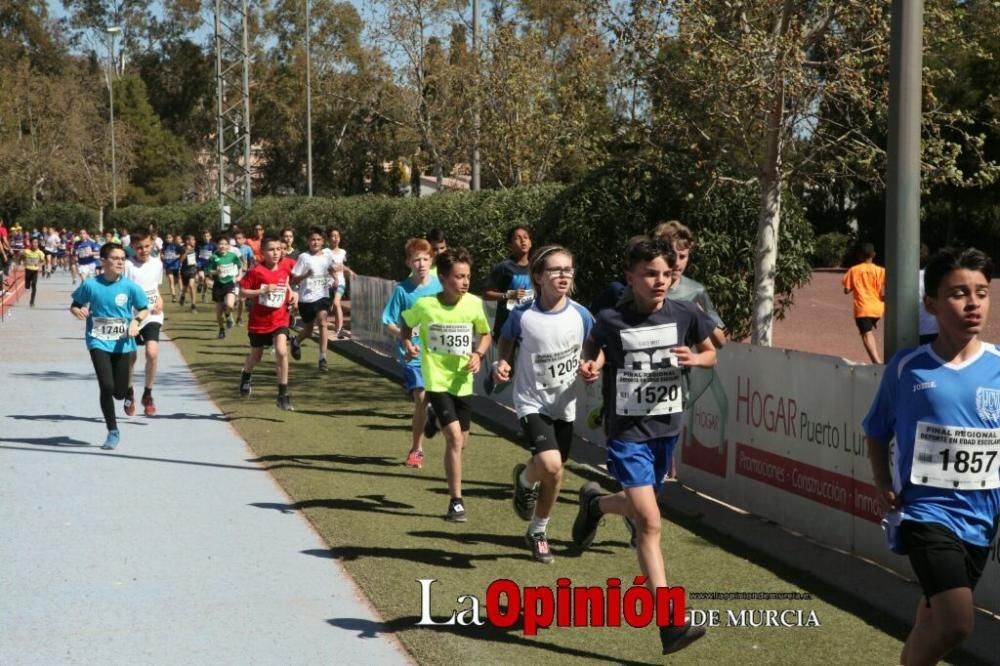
270	311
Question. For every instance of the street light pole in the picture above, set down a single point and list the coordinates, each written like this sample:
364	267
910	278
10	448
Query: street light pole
112	31
309	140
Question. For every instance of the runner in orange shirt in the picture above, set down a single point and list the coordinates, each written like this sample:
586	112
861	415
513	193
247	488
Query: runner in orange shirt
866	281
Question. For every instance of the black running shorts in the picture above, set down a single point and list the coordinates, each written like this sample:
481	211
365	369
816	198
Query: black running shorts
545	434
266	339
308	311
450	408
940	559
221	289
148	333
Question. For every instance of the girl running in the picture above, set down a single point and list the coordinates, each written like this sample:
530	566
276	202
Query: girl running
448	324
340	285
546	337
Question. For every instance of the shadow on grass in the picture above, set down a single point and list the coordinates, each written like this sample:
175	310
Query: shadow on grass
487	632
365	503
334	458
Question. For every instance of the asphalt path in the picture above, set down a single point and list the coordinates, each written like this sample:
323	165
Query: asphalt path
154	553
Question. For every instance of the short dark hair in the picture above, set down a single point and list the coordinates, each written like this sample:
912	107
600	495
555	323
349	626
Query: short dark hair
435	235
513	230
950	259
269	239
446	261
137	236
289	230
108	248
866	250
317	231
647	249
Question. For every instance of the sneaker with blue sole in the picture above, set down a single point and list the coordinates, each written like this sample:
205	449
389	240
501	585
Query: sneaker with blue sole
111	443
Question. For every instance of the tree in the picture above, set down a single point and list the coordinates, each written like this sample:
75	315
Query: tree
763	89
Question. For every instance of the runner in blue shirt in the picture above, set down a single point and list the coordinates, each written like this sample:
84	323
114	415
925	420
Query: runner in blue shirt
941	404
171	257
87	251
113	308
205	249
420	283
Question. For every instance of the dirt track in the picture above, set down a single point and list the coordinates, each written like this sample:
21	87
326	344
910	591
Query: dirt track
821	321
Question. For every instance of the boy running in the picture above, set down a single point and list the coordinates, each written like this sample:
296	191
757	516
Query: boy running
224	268
546	336
941	404
249	259
311	274
268	284
189	270
34	261
420	283
107	303
87	251
206	248
867	282
448	324
645	343
171	257
147	271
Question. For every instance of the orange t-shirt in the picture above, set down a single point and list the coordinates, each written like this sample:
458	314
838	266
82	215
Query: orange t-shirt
255	246
867	282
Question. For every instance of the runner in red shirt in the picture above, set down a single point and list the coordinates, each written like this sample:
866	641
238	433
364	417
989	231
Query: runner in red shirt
267	283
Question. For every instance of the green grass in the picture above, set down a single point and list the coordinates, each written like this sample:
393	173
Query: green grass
339	457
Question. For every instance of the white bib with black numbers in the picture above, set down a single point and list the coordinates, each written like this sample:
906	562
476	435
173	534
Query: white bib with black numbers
274	298
454	339
556	369
109	328
650	383
228	270
152	295
529	295
956	458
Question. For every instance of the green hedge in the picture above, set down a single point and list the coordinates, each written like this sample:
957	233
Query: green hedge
593	218
61	215
830	250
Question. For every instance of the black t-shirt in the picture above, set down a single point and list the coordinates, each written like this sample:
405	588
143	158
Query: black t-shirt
507	275
646	383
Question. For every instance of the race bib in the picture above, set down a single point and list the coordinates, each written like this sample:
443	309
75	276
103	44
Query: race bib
191	259
956	458
649	392
83	252
529	295
228	270
152	295
556	369
109	328
316	283
454	339
274	298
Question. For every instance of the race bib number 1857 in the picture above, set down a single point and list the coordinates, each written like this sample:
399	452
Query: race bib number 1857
956	457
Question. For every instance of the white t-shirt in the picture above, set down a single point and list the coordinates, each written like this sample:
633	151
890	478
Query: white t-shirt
53	242
339	259
317	285
148	276
548	357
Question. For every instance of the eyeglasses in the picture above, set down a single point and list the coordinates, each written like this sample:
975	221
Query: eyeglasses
562	271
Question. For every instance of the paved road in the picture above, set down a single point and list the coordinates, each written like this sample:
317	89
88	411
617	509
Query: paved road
153	553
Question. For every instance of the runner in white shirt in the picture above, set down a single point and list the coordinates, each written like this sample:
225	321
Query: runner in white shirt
146	271
339	285
52	244
312	272
546	335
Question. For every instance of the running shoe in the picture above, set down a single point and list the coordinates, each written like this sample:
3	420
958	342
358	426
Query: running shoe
323	365
285	403
343	335
245	388
148	406
415	459
112	440
588	517
431	427
456	511
239	322
674	639
524	498
630	526
229	322
181	302
130	403
194	310
222	334
296	348
539	545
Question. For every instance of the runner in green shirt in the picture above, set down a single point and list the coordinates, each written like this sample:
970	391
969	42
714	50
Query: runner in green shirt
448	324
225	269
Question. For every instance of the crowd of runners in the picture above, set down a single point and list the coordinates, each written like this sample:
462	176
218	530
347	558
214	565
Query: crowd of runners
940	401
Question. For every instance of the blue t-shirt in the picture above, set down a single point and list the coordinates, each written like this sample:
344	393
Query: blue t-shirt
205	252
248	256
111	305
403	297
946	422
87	252
171	256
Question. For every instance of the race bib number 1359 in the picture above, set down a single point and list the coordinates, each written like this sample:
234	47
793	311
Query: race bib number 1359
454	339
